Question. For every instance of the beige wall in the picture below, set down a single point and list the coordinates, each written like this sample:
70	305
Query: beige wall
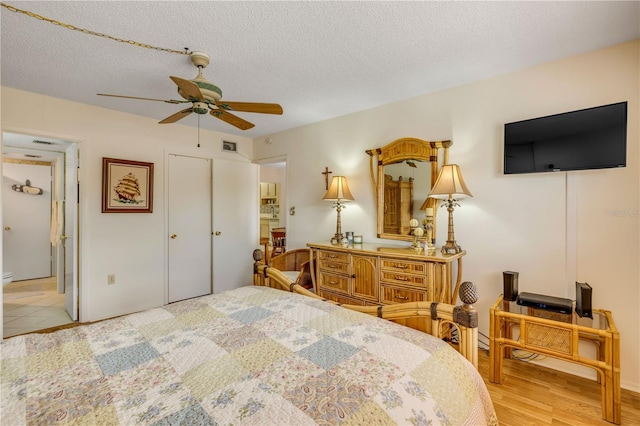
552	228
131	246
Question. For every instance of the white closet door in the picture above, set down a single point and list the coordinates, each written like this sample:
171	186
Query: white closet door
189	239
236	223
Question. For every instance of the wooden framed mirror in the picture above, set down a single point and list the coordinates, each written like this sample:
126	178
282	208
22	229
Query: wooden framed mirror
406	170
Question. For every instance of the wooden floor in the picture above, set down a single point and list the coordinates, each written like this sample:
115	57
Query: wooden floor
534	395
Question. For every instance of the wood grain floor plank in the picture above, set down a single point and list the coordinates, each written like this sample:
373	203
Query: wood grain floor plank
535	395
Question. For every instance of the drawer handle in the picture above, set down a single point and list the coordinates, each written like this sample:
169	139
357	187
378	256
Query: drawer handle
332	266
401	278
332	256
401	297
333	282
401	266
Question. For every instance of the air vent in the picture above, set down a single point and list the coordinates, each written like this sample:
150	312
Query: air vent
33	156
44	142
229	146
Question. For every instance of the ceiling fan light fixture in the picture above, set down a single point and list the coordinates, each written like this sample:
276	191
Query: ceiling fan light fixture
200	108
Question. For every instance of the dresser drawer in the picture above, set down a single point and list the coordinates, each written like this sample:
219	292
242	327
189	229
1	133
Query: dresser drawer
343	300
419	281
336	267
333	256
405	266
335	283
391	294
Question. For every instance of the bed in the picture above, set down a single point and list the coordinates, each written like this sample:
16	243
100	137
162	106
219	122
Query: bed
253	355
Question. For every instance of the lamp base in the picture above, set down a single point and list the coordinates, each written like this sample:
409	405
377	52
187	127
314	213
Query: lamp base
451	247
337	239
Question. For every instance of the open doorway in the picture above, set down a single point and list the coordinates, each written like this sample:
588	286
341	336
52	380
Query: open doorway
273	204
40	219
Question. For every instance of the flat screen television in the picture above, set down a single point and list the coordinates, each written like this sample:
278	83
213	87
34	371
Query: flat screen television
592	138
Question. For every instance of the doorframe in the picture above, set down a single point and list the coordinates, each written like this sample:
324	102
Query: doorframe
284	210
78	225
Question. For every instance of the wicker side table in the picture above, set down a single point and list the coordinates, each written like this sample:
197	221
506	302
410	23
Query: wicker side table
558	336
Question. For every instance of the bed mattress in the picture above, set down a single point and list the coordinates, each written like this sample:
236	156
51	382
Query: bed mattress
253	355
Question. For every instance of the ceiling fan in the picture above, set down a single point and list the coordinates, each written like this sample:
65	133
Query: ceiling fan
206	97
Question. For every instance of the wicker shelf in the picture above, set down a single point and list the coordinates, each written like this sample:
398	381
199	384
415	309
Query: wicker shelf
558	336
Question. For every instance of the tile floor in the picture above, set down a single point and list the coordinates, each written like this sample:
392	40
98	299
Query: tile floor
32	305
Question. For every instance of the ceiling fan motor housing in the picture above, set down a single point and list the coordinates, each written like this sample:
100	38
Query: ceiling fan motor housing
210	92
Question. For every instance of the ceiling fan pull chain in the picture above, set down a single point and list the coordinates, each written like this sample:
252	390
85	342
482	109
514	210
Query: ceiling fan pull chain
82	30
198	130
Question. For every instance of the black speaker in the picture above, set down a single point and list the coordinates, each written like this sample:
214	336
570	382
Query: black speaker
510	282
583	300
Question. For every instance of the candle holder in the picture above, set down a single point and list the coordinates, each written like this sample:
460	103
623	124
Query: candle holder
430	248
416	232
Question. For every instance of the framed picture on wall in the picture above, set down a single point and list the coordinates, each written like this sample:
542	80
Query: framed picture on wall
127	186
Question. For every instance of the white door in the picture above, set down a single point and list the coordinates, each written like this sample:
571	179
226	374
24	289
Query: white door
235	203
70	231
189	239
26	221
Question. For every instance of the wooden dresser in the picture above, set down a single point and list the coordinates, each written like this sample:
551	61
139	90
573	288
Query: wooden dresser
372	274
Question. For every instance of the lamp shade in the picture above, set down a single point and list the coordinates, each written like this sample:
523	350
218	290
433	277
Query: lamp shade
338	190
450	184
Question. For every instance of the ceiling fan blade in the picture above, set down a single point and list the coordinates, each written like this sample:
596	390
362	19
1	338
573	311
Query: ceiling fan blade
189	88
177	116
251	107
170	101
231	119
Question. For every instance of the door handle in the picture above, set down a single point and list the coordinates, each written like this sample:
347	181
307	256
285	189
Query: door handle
174	236
218	233
7	228
63	237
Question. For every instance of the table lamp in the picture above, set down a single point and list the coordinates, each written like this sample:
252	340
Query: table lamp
338	192
450	187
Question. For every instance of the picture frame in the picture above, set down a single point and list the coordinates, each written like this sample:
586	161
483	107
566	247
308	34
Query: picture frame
127	186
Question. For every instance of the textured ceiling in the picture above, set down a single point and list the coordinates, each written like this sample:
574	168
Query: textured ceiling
317	59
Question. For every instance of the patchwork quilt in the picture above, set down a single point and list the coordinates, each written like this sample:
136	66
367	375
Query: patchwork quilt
253	355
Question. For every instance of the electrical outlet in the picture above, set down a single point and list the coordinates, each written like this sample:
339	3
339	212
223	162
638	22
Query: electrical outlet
111	279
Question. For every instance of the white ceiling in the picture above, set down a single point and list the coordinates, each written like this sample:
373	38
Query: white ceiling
317	59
